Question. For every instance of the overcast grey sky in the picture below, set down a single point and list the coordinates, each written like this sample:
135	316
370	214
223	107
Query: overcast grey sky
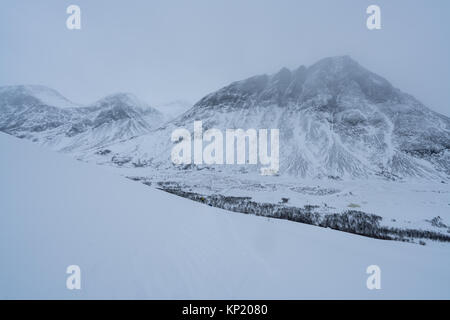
164	50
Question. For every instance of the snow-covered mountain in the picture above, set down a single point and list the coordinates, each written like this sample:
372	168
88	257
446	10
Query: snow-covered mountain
37	113
349	140
131	241
336	119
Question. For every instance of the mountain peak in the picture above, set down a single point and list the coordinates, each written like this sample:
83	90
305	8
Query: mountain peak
344	60
34	94
123	99
341	68
336	119
336	76
332	77
282	77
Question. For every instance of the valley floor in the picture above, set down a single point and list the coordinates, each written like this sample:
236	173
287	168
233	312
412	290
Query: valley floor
412	204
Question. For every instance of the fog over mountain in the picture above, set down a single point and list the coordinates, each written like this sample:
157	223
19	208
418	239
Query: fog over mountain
161	50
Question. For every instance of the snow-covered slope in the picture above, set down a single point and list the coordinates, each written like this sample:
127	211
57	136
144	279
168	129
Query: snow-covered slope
132	241
36	113
336	119
115	118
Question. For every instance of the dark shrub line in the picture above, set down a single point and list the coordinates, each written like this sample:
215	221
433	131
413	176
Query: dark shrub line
351	221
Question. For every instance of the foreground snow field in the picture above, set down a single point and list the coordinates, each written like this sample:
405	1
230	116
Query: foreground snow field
132	241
